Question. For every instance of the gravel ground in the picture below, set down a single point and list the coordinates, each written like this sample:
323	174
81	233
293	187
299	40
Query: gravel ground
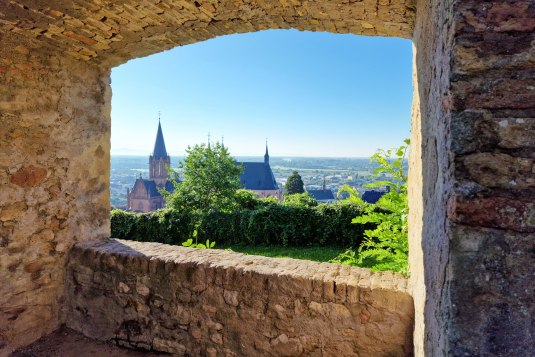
68	343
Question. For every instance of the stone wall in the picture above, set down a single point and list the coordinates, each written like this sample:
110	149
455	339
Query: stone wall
430	176
473	223
54	181
491	275
218	303
112	32
472	192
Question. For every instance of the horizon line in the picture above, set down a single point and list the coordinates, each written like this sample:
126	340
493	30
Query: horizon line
261	156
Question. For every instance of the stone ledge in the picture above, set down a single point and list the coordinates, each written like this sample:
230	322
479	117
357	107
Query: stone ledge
158	254
209	302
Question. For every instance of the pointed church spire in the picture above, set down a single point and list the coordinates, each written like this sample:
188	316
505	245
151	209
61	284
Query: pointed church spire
324	184
159	146
266	155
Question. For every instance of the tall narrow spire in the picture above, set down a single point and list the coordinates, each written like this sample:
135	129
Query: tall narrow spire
266	155
324	183
159	146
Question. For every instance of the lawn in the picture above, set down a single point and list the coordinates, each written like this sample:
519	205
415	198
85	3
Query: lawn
319	254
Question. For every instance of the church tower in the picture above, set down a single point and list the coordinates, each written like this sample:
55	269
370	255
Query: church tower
266	155
159	161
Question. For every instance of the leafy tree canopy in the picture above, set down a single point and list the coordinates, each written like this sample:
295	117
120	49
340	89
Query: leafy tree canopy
210	181
294	184
300	199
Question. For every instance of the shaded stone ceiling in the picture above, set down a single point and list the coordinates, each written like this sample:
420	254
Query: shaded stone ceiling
111	32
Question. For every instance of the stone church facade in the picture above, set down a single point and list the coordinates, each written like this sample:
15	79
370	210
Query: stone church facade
145	195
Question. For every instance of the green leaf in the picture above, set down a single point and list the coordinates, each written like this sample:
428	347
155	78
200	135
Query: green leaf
386	246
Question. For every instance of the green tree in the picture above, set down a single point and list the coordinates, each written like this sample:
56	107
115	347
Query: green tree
211	179
386	246
300	200
294	184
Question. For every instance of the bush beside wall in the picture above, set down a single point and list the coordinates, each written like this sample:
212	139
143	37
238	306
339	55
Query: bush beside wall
324	225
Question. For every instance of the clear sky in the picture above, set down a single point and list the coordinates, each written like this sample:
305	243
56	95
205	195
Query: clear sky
309	94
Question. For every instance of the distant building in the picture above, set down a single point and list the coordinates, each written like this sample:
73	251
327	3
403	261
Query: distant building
258	178
324	195
144	196
372	196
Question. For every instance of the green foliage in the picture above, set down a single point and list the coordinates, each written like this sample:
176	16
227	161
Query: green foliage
294	184
271	224
351	194
189	243
248	200
391	163
164	226
300	200
385	247
286	225
269	200
211	179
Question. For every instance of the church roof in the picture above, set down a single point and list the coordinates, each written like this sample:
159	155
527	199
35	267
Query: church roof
152	188
159	146
372	196
321	195
257	176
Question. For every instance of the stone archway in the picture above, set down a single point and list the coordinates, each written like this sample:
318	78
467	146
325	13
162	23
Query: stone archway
471	221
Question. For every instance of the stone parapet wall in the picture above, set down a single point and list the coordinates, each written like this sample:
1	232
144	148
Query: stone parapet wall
219	303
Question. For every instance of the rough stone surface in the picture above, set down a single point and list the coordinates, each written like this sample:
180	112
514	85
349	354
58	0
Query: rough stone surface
68	343
473	129
472	222
430	178
491	274
212	302
111	32
498	277
54	182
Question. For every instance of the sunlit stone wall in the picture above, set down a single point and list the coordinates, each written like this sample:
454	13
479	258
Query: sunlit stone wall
472	196
206	302
54	181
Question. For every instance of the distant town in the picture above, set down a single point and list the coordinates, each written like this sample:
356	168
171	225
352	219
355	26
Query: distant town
355	172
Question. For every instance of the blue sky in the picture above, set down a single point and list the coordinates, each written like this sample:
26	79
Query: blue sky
309	94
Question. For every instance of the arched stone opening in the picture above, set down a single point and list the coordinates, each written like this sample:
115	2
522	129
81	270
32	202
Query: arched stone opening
472	212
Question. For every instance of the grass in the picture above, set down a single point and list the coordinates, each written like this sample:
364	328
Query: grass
319	254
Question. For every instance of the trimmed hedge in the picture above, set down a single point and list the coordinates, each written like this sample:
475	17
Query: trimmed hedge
282	225
164	226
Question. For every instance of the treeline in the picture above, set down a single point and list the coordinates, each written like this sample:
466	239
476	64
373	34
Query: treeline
269	224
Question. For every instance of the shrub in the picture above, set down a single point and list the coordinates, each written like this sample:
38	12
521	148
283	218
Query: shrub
271	224
164	226
300	199
385	246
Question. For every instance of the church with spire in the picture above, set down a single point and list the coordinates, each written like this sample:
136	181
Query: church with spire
258	178
145	195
